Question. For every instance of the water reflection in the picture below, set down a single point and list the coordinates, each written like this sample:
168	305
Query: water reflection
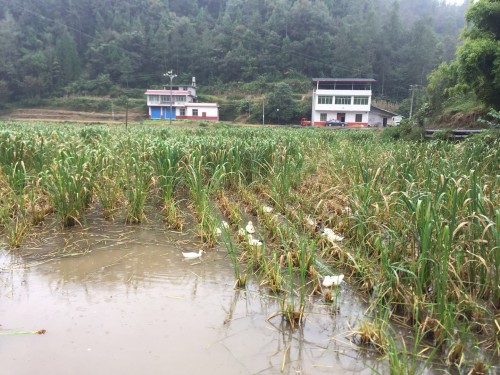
123	300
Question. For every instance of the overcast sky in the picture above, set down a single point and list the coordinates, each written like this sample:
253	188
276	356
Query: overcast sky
455	1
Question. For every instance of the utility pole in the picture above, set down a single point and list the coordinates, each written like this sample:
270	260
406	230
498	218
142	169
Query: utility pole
412	89
126	115
171	75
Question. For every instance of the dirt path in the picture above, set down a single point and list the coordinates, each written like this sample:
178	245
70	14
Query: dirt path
42	114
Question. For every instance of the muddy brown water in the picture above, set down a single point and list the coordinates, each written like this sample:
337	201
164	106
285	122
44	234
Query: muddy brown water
129	303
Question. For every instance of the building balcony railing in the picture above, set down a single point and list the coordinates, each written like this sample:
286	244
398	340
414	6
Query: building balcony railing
165	103
342	107
344	92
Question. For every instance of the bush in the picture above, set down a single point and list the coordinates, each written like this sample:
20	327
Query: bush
406	130
443	135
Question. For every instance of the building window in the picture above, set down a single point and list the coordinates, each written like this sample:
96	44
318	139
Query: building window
195	112
359	117
164	98
361	100
154	99
182	111
180	98
322	117
323	99
342	100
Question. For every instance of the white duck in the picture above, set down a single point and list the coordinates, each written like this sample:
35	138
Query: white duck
254	241
331	236
329	281
310	222
250	228
224	225
192	255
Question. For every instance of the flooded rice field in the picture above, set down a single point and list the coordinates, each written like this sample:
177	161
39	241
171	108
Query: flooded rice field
116	299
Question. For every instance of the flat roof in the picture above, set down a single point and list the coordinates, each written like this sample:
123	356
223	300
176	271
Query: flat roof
343	80
167	92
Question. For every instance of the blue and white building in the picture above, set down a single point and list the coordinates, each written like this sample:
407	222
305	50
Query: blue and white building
182	100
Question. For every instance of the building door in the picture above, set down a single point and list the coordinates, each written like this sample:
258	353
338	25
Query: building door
384	122
203	114
167	112
341	117
155	113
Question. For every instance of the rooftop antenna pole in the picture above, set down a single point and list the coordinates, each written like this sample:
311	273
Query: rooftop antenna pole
263	100
171	75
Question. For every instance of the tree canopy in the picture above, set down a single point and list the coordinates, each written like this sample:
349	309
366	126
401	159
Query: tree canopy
479	57
52	47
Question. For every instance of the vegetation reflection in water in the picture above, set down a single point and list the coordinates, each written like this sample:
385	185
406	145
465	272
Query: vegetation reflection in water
420	221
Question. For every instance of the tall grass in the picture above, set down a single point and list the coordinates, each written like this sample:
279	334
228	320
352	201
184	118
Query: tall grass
421	220
69	185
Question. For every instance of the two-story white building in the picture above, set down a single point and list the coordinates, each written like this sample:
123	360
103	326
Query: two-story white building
182	100
344	99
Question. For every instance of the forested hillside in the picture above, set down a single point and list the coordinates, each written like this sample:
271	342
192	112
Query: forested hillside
56	47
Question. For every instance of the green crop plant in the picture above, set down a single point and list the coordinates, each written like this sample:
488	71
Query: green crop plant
69	185
137	185
241	278
290	312
272	271
167	158
420	220
202	186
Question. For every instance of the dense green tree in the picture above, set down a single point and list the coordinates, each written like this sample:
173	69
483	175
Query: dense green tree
479	57
4	92
67	57
280	106
66	42
442	85
9	52
421	52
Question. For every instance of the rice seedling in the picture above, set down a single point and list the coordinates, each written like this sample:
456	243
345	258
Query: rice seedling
241	278
285	171
420	221
405	361
108	186
201	194
69	185
290	312
371	335
229	209
272	273
167	158
137	184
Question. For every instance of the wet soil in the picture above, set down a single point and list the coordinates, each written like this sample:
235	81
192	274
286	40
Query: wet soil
117	299
44	114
